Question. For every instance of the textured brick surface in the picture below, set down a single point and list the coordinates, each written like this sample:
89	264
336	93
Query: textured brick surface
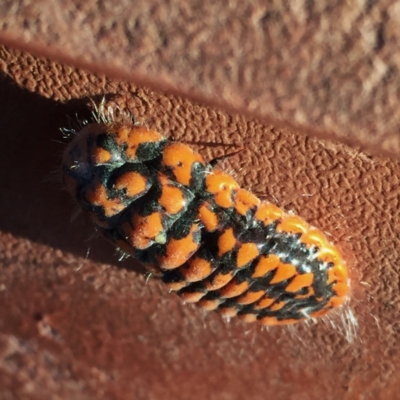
326	67
82	326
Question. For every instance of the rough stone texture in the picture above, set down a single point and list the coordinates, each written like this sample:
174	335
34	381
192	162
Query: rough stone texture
325	67
78	325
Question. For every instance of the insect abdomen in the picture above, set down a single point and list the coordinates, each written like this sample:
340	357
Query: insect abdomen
212	242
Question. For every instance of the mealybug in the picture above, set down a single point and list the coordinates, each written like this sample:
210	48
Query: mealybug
190	223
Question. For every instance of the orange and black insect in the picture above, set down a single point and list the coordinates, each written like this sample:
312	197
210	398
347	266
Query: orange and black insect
190	223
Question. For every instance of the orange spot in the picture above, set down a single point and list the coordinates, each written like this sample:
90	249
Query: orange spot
228	312
218	281
292	224
180	159
319	313
336	302
209	305
226	242
338	273
208	217
250	297
248	317
245	201
192	297
329	254
144	230
134	137
133	183
284	271
299	282
314	237
264	303
272	321
178	251
175	286
265	265
341	289
277	306
246	253
101	156
267	213
233	289
97	195
222	186
172	198
196	270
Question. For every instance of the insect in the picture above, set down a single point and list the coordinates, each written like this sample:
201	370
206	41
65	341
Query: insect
189	222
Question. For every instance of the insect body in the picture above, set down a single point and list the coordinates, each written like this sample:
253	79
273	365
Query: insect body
190	223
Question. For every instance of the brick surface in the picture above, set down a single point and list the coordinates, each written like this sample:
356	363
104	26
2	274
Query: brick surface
329	67
79	326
